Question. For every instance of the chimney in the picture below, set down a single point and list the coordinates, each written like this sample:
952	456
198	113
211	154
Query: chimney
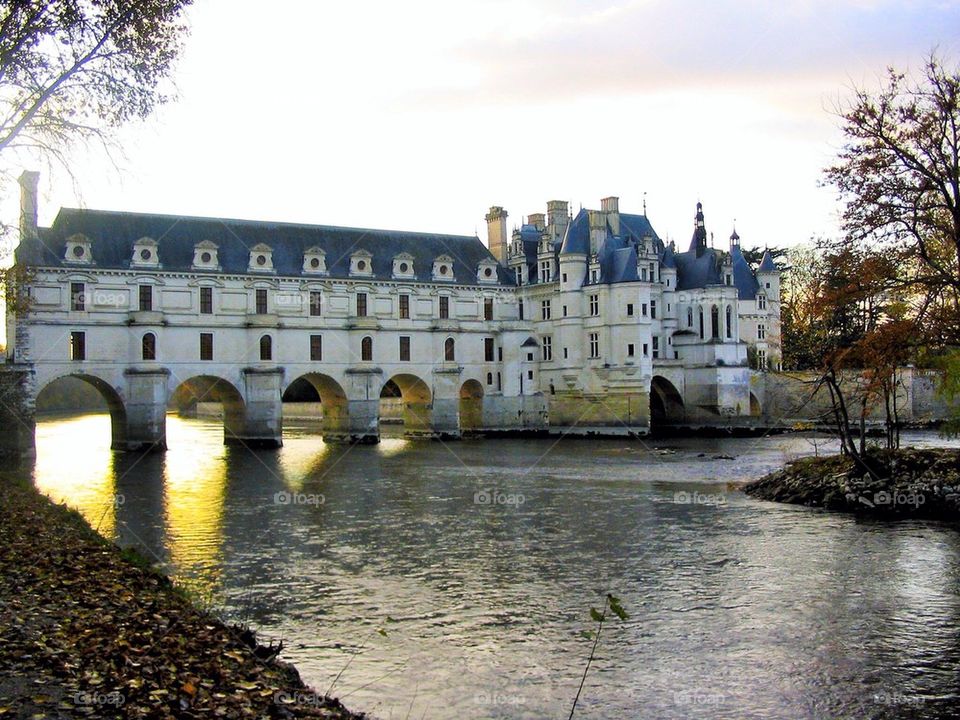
558	217
537	220
497	233
611	207
29	181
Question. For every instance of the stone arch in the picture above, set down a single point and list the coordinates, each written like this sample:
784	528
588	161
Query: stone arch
333	402
755	409
111	397
417	402
189	394
471	406
666	403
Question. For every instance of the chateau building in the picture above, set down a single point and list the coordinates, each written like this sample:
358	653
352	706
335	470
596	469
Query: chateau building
584	324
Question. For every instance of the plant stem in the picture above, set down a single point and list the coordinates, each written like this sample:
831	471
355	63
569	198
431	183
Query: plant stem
589	660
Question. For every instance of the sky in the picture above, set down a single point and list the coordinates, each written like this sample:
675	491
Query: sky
421	115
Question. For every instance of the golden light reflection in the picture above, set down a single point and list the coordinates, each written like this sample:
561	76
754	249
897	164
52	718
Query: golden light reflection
74	466
195	482
302	457
390	446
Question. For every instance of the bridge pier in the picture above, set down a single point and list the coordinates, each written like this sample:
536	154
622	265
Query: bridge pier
445	419
17	416
146	410
261	425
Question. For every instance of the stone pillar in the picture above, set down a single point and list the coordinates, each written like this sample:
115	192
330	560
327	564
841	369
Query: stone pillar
17	418
363	405
146	409
444	417
263	410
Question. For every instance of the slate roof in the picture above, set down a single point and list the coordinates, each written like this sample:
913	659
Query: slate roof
743	276
766	263
113	234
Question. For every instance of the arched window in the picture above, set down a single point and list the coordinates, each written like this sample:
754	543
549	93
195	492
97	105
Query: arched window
449	350
148	346
714	322
701	321
266	348
690	317
366	349
489	378
729	323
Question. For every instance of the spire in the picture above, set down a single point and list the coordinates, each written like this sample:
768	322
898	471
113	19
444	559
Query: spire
734	238
698	244
766	263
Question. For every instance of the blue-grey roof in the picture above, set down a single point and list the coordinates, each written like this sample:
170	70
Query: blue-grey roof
576	239
112	236
698	272
637	226
669	259
766	263
743	276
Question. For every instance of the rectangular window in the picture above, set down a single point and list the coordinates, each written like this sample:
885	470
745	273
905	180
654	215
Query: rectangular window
206	301
629	349
488	308
361	304
529	374
500	354
564	277
594	305
761	332
488	349
761	302
519	276
405	348
643	274
404	307
547	346
594	345
444	307
316	348
499	382
629	309
78	346
520	309
544	309
656	346
643	309
148	347
78	298
762	359
261	301
646	349
653	309
146	298
564	310
565	354
206	346
316	303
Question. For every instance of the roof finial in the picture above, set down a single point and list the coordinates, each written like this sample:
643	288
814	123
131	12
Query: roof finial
644	203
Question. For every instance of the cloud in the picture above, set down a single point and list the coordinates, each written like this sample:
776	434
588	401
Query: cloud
549	52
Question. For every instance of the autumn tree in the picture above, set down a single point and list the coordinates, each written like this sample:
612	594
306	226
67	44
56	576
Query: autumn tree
899	176
76	69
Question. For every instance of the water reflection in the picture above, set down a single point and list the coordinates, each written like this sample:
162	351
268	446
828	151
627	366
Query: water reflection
738	608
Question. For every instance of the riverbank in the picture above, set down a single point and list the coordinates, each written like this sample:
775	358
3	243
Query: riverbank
912	484
89	632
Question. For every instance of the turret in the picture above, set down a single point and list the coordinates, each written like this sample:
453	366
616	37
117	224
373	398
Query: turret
768	275
698	243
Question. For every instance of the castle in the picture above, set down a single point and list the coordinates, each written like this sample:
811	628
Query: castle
566	324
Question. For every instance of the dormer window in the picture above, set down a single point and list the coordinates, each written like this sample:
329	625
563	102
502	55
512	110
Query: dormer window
443	268
261	258
487	272
205	256
315	261
403	266
145	253
78	250
361	263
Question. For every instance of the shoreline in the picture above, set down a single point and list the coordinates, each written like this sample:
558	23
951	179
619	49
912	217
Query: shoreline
92	631
911	483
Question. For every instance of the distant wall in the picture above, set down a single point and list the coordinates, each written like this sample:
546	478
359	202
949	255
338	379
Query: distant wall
787	398
69	394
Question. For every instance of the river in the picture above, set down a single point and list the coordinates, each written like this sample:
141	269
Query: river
454	580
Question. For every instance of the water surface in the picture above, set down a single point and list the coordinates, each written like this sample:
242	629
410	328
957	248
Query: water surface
480	561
